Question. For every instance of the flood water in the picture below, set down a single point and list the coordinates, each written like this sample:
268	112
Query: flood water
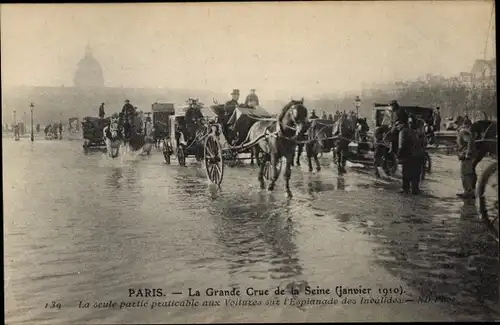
83	227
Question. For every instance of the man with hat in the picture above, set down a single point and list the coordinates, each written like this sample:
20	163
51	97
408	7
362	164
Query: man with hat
437	119
252	99
410	153
466	150
128	113
101	111
313	114
231	105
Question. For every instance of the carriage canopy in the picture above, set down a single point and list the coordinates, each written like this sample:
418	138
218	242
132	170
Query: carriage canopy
383	114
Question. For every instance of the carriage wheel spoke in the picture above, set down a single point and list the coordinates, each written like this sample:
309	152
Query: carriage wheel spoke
219	171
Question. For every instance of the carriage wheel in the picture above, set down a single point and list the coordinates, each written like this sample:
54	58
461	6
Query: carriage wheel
214	162
167	151
390	164
487	193
267	169
181	157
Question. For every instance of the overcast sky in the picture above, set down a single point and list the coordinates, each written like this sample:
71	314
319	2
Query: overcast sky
301	48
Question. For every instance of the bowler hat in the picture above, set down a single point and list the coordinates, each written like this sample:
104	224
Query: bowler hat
235	92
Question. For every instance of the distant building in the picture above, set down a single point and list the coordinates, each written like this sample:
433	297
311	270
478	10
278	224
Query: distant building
89	72
484	72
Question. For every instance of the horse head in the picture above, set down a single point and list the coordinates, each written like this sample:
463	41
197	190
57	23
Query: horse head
294	116
347	124
114	127
362	126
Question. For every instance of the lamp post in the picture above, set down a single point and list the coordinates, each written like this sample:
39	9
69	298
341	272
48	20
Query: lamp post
357	102
31	112
14	122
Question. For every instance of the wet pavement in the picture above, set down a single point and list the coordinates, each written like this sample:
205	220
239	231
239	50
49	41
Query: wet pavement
82	227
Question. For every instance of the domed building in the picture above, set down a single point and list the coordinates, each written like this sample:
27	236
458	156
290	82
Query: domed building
89	71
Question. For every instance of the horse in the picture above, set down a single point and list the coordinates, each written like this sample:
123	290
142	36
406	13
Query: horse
485	134
319	137
112	138
132	132
344	131
277	139
385	144
159	133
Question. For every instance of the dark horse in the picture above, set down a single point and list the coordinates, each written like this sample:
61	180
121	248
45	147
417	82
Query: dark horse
385	145
485	134
277	139
132	131
319	138
160	133
344	130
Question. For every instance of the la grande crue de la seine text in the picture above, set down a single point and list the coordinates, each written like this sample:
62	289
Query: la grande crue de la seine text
340	291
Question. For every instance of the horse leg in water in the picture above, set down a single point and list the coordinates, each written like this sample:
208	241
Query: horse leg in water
312	153
255	153
274	171
300	149
309	153
340	158
344	153
288	173
316	148
377	159
263	160
252	156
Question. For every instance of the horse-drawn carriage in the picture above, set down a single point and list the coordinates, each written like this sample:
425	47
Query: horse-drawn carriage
385	147
93	135
214	137
161	121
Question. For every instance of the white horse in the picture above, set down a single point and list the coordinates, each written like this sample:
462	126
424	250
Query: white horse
112	139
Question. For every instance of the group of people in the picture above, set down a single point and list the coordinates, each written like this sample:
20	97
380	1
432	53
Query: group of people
330	117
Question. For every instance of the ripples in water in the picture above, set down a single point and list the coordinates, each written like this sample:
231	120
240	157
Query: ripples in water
86	227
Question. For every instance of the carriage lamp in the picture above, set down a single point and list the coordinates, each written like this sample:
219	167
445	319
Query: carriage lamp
357	103
31	112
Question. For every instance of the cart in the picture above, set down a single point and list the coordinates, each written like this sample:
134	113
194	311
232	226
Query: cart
209	144
93	132
383	117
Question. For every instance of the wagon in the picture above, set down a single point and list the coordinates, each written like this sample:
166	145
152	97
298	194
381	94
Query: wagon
161	120
383	117
216	141
93	132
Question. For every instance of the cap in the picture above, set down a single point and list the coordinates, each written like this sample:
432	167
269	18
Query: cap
252	90
127	101
235	92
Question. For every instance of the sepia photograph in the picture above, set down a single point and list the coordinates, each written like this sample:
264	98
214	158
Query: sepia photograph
250	162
